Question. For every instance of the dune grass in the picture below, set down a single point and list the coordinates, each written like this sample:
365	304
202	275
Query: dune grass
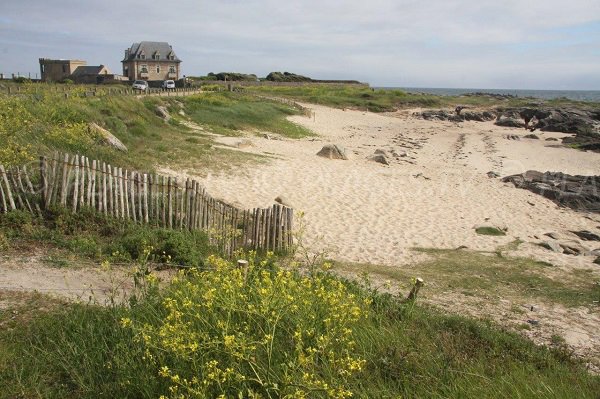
52	349
232	113
492	275
378	100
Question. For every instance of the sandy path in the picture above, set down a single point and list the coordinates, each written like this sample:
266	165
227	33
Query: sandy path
366	212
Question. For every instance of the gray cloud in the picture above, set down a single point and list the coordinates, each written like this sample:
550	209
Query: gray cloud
468	43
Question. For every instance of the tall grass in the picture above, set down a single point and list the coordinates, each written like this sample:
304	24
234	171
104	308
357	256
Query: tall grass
218	332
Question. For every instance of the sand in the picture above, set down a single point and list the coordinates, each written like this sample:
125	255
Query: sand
361	211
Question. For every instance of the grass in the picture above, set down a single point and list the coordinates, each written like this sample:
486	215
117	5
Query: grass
231	114
41	120
91	235
491	275
378	100
489	231
51	349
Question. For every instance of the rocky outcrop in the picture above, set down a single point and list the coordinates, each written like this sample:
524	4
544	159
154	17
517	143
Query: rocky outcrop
576	192
162	111
107	137
379	158
442	115
332	151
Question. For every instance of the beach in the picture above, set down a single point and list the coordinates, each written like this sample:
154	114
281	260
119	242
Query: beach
432	194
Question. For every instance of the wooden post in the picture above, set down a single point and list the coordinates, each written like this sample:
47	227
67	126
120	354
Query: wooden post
243	265
11	201
94	167
132	195
65	181
126	192
44	181
123	193
170	203
146	220
415	289
76	184
3	196
111	202
104	189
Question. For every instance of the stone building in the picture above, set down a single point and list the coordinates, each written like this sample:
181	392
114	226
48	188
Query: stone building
152	61
58	70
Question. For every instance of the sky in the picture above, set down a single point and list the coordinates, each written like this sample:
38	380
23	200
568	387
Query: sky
512	44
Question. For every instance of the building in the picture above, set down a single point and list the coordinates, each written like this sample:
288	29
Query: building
58	70
91	74
151	61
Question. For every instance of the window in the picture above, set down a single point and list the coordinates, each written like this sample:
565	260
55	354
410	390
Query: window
143	56
171	57
158	69
64	68
144	68
172	69
156	56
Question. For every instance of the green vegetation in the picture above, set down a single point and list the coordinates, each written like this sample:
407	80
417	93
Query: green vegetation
40	120
489	231
274	333
286	77
492	275
231	113
92	235
378	100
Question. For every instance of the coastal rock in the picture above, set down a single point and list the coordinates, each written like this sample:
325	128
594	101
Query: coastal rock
379	158
597	261
576	192
586	235
332	151
443	115
492	174
552	245
551	139
508	121
163	113
107	137
573	247
379	151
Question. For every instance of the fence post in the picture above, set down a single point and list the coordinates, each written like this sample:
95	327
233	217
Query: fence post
44	180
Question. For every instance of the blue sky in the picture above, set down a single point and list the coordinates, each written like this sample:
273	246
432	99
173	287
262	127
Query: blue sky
531	44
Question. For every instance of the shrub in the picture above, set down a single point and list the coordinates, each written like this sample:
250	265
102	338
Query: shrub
272	333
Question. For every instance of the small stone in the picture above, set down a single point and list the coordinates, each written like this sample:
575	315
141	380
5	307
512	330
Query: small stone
379	158
552	245
280	199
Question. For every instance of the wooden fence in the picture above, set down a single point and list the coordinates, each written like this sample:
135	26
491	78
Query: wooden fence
76	182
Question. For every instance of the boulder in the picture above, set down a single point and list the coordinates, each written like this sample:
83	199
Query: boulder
280	199
597	261
506	121
492	174
576	192
107	137
552	245
379	151
163	113
531	136
573	247
332	151
586	235
551	139
379	158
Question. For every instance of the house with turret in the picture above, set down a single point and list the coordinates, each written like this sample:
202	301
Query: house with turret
152	61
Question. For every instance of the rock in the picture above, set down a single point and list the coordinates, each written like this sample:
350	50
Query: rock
280	199
490	230
163	113
181	112
573	247
586	235
442	115
576	192
552	245
107	137
379	151
492	174
597	261
379	158
531	136
508	122
244	144
551	139
332	151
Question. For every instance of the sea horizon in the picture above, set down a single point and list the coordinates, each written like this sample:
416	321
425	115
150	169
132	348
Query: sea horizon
548	94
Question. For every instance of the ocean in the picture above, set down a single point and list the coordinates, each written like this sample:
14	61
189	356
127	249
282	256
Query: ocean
578	95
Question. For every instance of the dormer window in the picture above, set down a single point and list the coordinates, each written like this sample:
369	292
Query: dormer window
142	56
171	56
156	55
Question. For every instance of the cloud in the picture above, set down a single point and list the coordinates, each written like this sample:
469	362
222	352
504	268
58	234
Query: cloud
386	42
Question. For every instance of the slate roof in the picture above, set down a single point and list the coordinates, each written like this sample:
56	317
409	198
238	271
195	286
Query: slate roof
88	70
149	49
